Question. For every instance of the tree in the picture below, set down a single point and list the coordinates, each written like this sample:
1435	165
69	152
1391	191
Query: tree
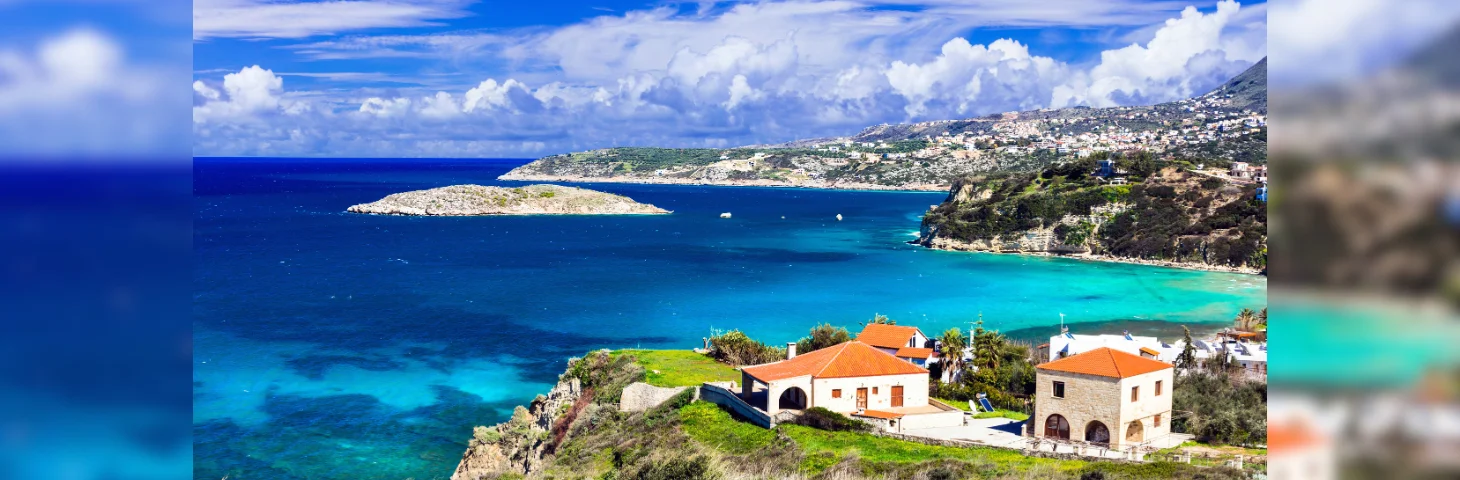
951	347
880	319
1246	319
822	336
987	346
1187	358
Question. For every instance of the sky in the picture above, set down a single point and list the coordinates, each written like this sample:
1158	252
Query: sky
462	78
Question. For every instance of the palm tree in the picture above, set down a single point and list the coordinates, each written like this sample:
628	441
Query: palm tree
1245	319
951	347
880	318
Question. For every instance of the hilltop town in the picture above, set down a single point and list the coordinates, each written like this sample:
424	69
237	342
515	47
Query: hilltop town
1227	124
892	401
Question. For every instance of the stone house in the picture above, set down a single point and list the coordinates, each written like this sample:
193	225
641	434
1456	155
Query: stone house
1104	396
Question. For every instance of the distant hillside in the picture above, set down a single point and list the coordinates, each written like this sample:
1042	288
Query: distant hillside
1168	215
1248	90
1225	125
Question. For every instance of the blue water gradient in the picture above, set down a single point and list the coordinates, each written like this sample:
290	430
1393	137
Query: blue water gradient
337	345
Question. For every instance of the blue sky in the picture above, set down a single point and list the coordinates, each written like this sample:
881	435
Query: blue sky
525	79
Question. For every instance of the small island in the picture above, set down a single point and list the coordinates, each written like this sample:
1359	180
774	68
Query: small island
464	200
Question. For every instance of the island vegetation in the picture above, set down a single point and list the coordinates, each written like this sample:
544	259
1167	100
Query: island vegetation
465	200
1162	211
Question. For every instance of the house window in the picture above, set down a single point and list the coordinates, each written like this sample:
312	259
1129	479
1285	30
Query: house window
874	390
1059	389
836	393
1158	420
1158	388
1135	393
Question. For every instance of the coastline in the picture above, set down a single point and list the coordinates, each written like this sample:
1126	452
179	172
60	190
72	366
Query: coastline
947	245
922	188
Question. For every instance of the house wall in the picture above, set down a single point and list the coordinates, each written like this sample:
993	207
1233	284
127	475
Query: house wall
1107	400
1148	406
931	420
1087	398
914	391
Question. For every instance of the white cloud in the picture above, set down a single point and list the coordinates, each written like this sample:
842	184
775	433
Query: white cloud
77	94
385	108
751	73
491	95
1182	51
288	19
251	93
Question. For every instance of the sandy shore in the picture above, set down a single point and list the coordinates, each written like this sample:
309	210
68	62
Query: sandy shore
724	183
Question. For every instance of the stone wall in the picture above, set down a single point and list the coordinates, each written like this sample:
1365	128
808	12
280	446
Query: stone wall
726	397
1087	398
640	396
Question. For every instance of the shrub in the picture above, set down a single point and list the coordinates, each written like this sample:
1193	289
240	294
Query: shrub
823	419
735	348
822	336
547	194
485	434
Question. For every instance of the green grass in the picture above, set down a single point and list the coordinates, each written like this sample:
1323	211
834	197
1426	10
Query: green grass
963	405
1011	415
710	425
680	368
870	448
958	404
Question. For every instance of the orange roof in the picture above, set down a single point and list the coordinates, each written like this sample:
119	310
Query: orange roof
1240	334
909	352
1283	437
848	359
1106	362
878	414
886	336
1148	351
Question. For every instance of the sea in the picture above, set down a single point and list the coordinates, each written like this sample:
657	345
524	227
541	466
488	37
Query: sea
332	345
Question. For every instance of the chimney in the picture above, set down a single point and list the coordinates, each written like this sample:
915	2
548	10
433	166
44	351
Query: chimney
790	350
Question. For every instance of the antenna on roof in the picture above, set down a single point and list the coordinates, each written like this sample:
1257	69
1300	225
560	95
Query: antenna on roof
1063	328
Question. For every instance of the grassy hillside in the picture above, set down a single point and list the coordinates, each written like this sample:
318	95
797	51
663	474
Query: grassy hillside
682	439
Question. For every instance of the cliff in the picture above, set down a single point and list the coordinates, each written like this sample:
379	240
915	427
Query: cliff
1168	216
461	200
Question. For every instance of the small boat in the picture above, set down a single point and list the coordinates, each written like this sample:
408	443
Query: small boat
838	217
725	215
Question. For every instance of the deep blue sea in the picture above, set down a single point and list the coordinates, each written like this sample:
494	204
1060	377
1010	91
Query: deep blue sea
330	345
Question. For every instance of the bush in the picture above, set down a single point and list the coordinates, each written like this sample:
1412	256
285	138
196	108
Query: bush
1223	410
736	349
823	419
823	336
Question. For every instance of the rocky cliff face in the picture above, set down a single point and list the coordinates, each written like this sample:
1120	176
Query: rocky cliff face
1173	218
521	445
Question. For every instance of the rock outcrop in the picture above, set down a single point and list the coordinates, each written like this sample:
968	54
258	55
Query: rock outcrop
520	445
466	200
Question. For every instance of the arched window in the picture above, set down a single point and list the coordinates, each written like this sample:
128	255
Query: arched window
1057	427
793	398
1135	432
1096	432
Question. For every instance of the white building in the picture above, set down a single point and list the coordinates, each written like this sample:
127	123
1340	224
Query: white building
853	378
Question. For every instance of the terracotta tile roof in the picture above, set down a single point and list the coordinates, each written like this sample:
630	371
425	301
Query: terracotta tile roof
849	359
1148	351
1284	437
909	352
886	336
1106	362
878	414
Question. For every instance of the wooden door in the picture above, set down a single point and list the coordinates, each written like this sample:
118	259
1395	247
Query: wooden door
897	396
861	399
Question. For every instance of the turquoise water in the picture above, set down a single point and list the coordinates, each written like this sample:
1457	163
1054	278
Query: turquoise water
334	345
